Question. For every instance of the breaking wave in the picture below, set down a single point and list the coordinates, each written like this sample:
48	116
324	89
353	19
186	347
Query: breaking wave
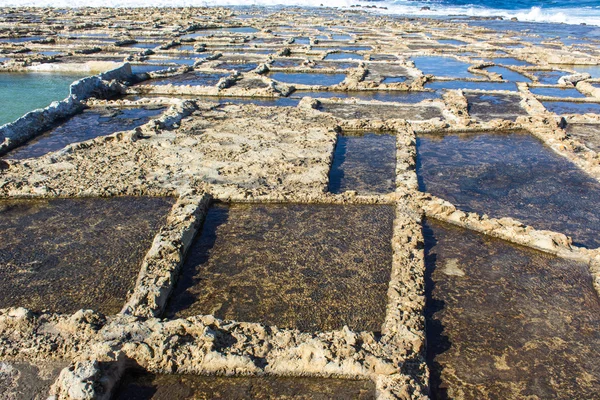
568	12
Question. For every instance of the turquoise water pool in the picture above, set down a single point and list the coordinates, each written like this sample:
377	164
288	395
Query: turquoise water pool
24	92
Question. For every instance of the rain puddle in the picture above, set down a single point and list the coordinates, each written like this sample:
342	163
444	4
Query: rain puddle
364	162
268	264
67	254
381	112
508	74
588	134
511	175
89	124
187	79
141	385
442	66
556	92
507	322
308	78
379	95
469	85
565	107
343	56
26	380
486	107
24	92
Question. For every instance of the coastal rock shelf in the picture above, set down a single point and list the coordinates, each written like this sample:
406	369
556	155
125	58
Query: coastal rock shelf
307	203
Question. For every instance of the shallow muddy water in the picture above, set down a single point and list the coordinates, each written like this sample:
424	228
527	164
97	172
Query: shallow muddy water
511	175
67	254
138	385
272	264
364	162
507	322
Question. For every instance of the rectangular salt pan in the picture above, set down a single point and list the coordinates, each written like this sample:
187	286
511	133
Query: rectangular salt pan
67	254
588	134
307	267
469	85
89	124
381	112
486	107
28	380
564	107
367	95
511	175
442	66
308	78
556	92
365	163
139	385
187	79
507	322
508	74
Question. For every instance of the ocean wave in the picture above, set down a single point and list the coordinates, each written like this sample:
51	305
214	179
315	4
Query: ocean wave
573	15
566	15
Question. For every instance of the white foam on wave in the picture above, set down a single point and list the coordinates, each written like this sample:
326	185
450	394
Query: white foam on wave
590	16
587	15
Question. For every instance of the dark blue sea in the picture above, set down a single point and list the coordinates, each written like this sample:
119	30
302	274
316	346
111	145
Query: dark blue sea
550	11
